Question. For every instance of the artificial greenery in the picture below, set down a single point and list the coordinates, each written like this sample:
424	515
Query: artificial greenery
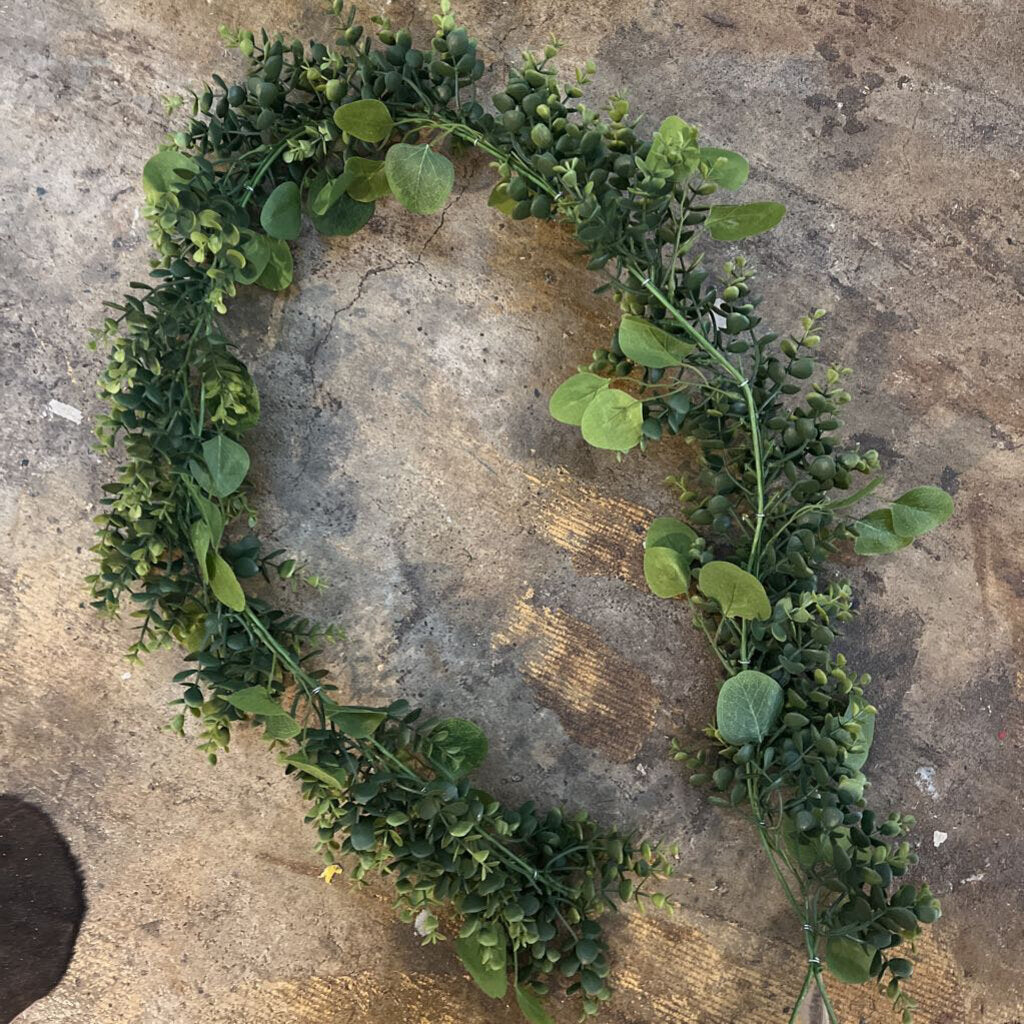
328	132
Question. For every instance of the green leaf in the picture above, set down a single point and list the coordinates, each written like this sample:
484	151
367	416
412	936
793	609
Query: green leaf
920	510
256	250
650	346
345	217
739	594
363	836
731	223
164	170
201	538
726	169
501	200
227	462
572	397
213	517
531	1006
224	583
857	755
876	534
355	722
281	727
848	960
668	554
254	700
369	180
674	152
749	704
278	273
281	216
368	120
327	191
860	493
613	420
492	976
420	178
465	745
314	770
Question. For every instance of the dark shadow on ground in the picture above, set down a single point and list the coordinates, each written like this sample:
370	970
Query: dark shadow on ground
42	903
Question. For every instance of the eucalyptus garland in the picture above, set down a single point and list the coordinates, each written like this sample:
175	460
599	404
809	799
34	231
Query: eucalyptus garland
330	132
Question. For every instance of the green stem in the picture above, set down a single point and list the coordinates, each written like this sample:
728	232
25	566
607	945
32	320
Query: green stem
803	995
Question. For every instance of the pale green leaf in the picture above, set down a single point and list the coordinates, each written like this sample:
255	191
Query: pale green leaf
857	755
369	179
281	727
201	538
876	534
847	960
613	420
254	700
749	704
491	976
256	250
501	200
279	269
731	223
224	583
227	463
167	169
920	510
650	346
572	397
368	120
420	178
531	1006
667	571
355	722
740	595
726	169
464	744
303	764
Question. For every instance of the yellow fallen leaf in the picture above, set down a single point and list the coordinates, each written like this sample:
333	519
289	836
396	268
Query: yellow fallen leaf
329	872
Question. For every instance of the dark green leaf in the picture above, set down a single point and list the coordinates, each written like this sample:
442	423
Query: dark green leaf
650	346
368	120
328	193
857	755
227	463
363	836
572	397
613	420
420	178
358	723
281	216
731	223
848	960
531	1006
740	595
749	704
492	976
281	727
465	745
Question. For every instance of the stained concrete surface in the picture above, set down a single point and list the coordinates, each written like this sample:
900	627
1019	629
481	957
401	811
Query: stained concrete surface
483	559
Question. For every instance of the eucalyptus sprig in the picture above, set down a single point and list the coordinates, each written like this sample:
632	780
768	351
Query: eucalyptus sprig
329	132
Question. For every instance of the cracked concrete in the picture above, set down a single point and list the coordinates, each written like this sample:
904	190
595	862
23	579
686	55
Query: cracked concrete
483	560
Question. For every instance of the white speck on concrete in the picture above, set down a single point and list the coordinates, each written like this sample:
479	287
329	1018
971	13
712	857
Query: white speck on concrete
641	768
938	838
126	675
67	412
925	779
972	878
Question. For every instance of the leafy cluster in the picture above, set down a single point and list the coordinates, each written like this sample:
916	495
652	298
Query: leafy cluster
327	133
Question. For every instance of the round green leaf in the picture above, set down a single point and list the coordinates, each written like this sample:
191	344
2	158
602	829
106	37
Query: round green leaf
224	583
362	836
857	755
749	704
501	201
278	272
667	572
667	531
368	120
650	346
281	216
613	420
726	169
368	180
256	250
848	960
420	178
491	976
876	534
166	169
531	1007
739	594
731	223
572	397
326	191
227	463
920	510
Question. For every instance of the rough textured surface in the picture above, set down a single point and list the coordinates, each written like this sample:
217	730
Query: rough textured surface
482	556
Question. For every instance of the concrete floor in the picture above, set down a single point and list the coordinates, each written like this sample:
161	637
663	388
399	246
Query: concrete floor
484	560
